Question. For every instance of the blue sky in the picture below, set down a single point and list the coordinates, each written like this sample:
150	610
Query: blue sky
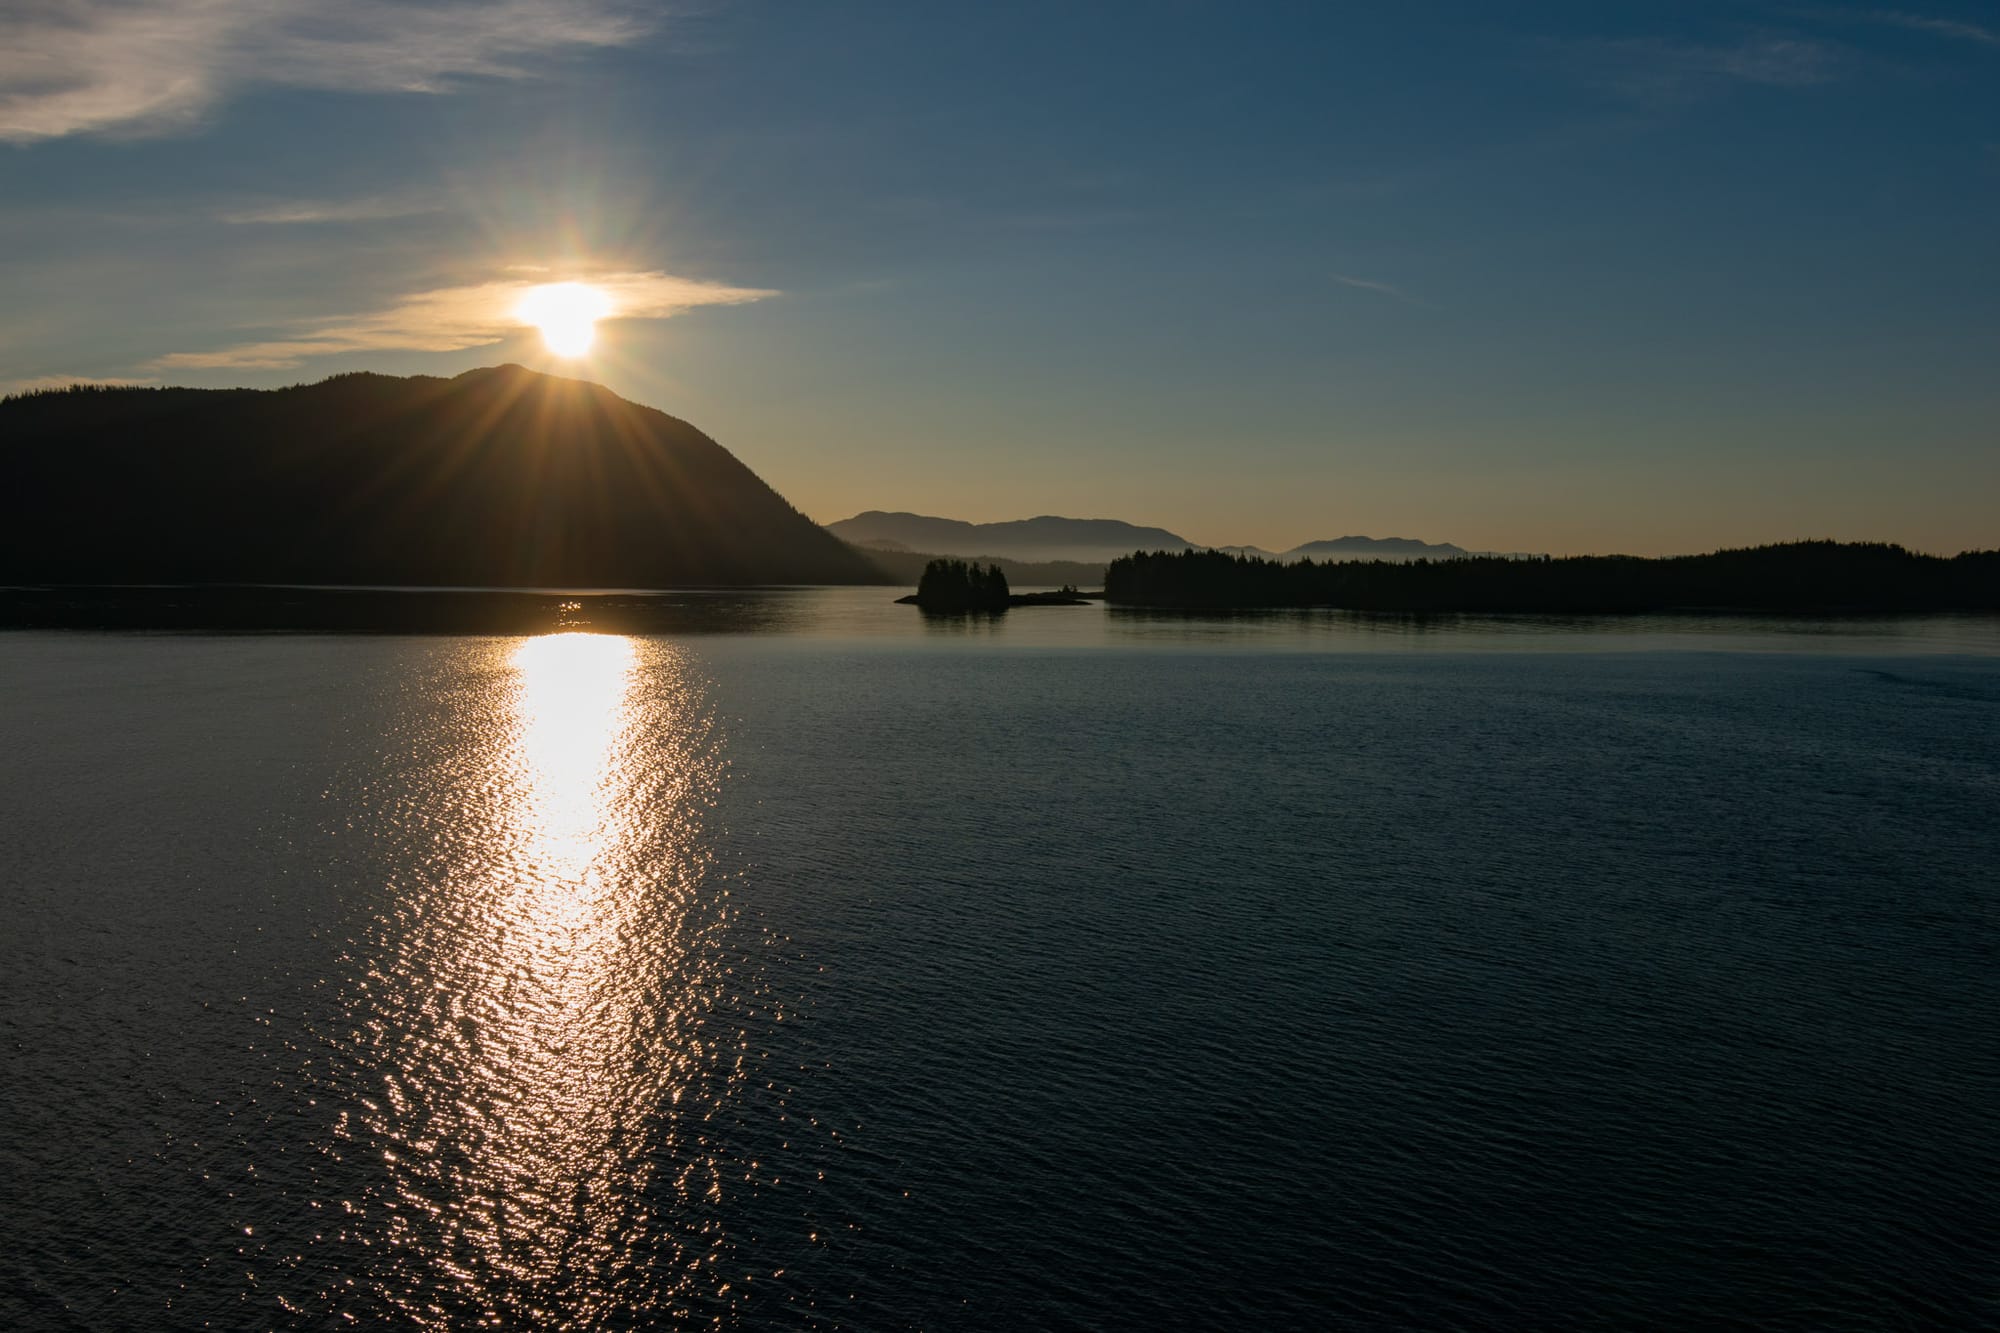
1585	277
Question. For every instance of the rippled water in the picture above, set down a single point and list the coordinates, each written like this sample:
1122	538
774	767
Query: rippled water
822	967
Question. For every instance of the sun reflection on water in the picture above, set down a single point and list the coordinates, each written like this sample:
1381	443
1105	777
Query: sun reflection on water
571	708
538	1020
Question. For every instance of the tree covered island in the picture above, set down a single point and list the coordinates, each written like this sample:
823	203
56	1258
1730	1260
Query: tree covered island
1810	576
955	586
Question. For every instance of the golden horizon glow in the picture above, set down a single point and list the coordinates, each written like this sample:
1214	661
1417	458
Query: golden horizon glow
566	313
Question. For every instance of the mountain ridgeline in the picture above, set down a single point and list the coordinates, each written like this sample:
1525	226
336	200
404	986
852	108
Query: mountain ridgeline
1031	539
1375	548
500	477
1813	576
1085	544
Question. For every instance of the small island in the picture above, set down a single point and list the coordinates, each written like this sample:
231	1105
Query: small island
955	587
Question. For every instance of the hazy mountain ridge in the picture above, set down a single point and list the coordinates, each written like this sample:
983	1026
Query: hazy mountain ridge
1046	538
1094	540
498	477
1376	548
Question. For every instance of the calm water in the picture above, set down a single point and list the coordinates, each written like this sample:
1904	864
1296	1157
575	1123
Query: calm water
815	966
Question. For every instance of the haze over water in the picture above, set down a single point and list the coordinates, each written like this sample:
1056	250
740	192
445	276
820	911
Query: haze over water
816	965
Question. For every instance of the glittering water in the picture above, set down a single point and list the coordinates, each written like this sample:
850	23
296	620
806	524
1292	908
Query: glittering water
840	970
540	962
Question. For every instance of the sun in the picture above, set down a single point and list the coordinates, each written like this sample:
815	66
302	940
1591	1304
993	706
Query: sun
566	313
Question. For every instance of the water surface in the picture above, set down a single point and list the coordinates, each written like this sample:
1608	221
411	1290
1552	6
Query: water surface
816	965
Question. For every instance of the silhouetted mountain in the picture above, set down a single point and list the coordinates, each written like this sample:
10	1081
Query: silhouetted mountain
1374	548
1045	538
1817	576
499	477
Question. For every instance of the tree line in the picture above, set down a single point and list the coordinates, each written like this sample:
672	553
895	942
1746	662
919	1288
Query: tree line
953	585
1792	576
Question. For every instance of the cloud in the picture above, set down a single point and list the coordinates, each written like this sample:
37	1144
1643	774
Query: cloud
154	66
1367	286
296	211
450	319
67	381
1952	28
1655	70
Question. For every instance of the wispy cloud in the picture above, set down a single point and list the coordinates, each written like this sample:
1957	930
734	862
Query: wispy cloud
1656	70
306	211
450	319
1367	285
1952	28
154	66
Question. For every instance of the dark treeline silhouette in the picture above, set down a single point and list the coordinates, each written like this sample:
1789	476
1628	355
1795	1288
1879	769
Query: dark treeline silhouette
953	585
1795	576
497	478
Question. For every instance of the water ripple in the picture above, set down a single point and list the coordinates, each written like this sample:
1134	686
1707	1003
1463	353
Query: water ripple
535	1017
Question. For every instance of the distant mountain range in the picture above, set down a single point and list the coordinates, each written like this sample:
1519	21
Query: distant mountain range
1050	538
500	477
1045	538
1357	548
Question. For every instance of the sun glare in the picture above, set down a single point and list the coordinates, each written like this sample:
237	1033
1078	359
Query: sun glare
566	313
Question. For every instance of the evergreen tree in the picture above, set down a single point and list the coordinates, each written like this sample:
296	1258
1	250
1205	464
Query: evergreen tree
953	585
